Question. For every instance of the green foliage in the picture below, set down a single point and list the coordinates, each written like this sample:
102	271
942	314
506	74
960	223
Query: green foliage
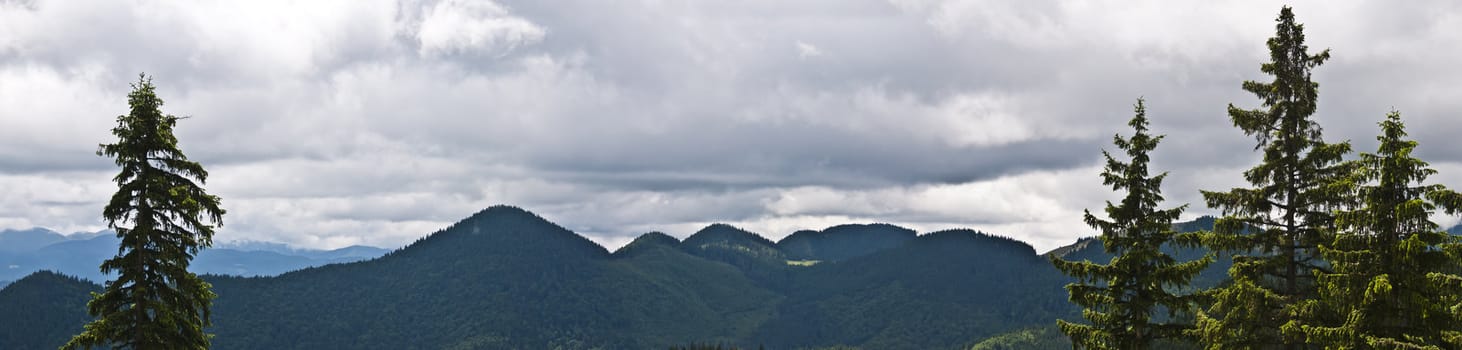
1391	288
1092	249
1276	226
154	303
1122	296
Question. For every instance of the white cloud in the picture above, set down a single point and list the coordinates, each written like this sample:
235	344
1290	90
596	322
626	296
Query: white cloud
45	109
1043	207
328	123
462	26
805	50
69	201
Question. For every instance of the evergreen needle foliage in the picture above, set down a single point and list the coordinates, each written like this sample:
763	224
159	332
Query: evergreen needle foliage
163	218
1391	288
1121	297
1276	226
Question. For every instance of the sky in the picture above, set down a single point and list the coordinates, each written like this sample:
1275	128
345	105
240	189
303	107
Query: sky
328	123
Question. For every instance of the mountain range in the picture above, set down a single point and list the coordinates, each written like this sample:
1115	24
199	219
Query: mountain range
507	278
23	252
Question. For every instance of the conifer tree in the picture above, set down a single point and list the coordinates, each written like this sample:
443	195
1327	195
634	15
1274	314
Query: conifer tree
1275	226
1122	297
163	217
1391	288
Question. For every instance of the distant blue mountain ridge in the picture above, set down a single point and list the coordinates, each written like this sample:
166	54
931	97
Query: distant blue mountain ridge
23	252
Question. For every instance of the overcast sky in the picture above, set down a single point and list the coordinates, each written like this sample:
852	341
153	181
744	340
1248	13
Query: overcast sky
332	123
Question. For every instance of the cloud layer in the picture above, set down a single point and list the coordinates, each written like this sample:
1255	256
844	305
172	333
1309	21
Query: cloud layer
330	123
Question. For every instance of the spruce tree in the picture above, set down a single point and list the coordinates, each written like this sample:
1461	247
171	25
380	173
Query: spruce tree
163	217
1124	299
1275	227
1390	288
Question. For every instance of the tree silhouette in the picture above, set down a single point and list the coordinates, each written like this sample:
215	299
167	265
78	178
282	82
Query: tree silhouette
1391	288
163	218
1275	227
1122	296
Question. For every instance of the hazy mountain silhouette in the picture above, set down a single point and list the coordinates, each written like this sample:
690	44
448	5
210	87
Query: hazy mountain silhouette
23	252
28	240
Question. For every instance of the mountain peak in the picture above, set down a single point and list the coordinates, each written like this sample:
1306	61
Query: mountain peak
32	230
646	241
843	242
656	237
503	230
725	233
502	211
957	237
26	240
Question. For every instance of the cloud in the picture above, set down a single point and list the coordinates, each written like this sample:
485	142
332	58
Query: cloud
805	50
456	26
328	123
64	201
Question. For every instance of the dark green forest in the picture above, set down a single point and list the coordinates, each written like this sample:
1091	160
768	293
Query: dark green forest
506	278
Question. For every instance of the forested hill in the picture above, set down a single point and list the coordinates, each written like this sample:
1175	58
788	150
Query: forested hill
506	278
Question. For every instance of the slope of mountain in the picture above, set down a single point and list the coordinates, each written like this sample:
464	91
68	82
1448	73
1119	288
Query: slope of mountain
938	290
43	310
843	242
756	256
684	298
506	278
503	278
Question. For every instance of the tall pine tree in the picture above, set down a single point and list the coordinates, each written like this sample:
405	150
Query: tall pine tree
1391	287
1275	227
163	217
1124	299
